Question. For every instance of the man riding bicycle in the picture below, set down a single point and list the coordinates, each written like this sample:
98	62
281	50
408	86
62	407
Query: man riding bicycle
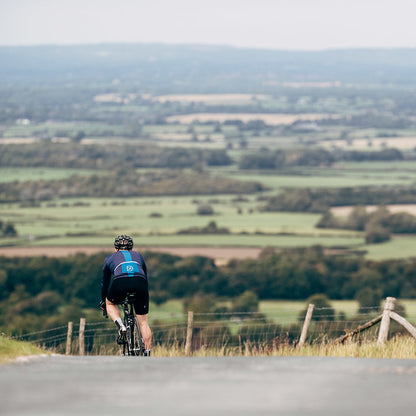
127	269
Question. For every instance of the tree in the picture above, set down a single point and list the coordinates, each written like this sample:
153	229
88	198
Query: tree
199	303
78	136
246	302
323	310
327	220
9	230
159	296
357	218
205	209
376	233
368	297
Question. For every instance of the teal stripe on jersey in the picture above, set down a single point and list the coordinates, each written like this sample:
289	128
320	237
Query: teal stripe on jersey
130	267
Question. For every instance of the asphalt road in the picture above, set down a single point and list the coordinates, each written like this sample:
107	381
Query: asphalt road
208	386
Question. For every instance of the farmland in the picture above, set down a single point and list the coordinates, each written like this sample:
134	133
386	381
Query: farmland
65	147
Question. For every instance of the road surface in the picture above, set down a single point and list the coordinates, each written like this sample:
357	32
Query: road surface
208	386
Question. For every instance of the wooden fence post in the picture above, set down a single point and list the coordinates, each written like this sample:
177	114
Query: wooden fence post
69	338
306	324
359	329
385	321
81	336
403	322
189	331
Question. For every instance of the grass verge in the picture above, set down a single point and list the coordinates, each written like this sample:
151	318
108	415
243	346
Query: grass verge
10	349
396	348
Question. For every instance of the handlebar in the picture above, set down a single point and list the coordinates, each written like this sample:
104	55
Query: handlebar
103	308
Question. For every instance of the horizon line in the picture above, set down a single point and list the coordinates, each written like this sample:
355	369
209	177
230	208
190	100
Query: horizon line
207	45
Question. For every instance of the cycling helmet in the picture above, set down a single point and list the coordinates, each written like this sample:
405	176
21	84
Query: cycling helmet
123	242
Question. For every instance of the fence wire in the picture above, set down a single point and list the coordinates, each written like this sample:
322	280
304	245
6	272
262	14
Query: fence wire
218	329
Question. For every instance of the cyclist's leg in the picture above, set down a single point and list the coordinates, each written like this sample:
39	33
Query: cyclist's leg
141	306
114	296
112	310
145	330
114	314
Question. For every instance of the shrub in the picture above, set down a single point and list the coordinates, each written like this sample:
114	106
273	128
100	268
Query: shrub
246	302
323	310
8	230
199	303
376	233
368	297
205	209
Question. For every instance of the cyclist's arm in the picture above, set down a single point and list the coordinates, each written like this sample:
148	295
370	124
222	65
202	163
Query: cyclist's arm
105	281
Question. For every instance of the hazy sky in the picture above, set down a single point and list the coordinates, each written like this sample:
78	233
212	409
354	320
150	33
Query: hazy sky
277	24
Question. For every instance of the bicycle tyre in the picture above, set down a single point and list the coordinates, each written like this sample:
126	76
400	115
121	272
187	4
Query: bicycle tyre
127	346
139	346
130	340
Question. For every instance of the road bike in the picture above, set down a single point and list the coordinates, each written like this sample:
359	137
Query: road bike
132	342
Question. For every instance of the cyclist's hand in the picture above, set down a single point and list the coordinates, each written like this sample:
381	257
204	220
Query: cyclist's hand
103	308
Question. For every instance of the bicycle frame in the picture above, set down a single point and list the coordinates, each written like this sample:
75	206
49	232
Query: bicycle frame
134	344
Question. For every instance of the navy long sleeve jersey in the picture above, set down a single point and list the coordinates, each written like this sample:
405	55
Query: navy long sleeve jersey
122	263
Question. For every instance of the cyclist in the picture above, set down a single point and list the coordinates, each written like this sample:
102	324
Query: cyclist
126	270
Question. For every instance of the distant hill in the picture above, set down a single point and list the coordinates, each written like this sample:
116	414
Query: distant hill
197	68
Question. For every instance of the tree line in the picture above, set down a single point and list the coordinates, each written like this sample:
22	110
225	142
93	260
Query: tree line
278	159
319	200
75	155
378	225
125	183
40	292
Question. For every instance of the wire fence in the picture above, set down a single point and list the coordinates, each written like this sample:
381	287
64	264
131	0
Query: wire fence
216	330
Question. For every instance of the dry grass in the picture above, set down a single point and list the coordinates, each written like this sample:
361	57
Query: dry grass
397	348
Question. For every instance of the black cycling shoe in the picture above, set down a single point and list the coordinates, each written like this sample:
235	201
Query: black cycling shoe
121	338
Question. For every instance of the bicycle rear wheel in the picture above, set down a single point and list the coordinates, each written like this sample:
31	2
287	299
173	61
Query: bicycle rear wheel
130	340
139	346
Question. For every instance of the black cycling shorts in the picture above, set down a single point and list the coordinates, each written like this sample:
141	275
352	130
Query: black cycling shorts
123	285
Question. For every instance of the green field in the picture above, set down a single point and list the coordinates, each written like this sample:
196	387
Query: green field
279	311
331	179
157	220
46	174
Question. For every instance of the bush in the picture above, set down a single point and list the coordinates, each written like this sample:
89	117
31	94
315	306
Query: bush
375	234
323	310
159	297
8	230
205	209
368	297
247	302
199	303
